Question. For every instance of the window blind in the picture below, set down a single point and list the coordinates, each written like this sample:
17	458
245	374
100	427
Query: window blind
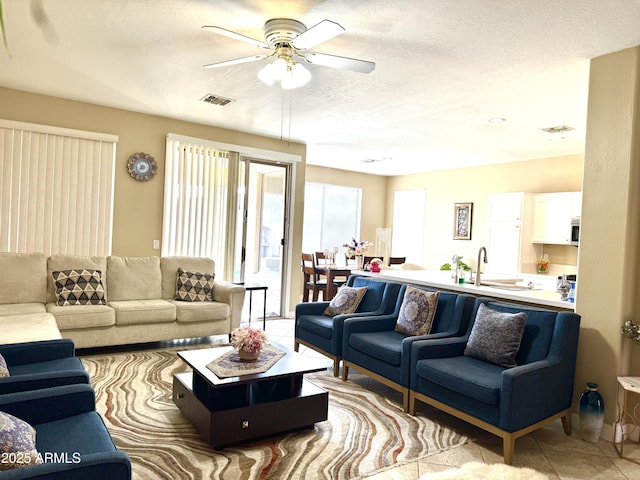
197	197
56	190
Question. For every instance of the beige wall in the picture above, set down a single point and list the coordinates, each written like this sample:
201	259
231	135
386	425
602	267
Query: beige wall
444	188
137	218
608	269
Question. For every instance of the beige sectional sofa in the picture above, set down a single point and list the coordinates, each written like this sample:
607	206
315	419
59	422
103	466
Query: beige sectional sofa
140	293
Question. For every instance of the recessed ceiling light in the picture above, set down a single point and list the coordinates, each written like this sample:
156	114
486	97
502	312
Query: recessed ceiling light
497	120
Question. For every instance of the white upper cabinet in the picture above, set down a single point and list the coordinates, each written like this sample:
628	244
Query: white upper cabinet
506	207
508	232
552	216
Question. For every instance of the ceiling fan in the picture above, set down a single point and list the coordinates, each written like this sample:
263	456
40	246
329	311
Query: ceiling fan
290	41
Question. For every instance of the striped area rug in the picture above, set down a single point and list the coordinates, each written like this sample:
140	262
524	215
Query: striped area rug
365	431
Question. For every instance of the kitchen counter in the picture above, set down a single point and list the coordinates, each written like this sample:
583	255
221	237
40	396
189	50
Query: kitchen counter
441	280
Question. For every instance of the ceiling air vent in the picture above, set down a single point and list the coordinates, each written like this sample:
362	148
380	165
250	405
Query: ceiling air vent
558	133
216	99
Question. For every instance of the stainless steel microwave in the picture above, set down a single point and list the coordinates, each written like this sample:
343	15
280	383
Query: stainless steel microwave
575	231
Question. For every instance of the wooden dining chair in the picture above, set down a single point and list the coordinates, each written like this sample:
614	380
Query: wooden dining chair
312	281
397	260
321	261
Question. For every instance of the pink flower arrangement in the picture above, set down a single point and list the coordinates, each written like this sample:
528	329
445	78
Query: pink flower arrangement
357	248
248	339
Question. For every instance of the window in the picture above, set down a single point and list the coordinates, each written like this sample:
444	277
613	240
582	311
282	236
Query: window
331	216
56	190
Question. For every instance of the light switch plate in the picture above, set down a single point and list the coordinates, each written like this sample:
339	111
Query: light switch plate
156	244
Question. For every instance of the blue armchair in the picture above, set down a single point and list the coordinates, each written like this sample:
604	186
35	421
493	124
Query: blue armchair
373	347
506	401
44	364
70	435
324	333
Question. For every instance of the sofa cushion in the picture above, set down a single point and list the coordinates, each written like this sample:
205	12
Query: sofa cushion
4	370
374	294
59	262
23	278
346	301
21	309
134	278
321	325
468	376
417	311
29	328
134	312
495	336
18	441
82	316
385	346
169	268
188	312
89	435
78	287
194	286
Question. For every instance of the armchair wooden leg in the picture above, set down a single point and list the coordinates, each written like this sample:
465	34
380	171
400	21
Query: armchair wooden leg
509	446
405	401
296	346
336	367
345	373
566	423
412	404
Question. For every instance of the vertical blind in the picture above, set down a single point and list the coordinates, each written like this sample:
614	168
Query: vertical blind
197	197
56	190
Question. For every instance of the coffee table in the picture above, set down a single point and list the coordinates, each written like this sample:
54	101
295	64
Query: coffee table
235	409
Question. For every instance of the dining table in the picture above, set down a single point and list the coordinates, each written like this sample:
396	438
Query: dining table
332	272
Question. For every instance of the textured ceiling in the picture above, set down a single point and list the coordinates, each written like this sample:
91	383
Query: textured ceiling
443	68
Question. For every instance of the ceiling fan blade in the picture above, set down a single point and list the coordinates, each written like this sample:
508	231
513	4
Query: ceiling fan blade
237	61
317	34
345	63
235	36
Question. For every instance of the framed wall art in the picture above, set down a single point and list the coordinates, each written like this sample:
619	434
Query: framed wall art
462	213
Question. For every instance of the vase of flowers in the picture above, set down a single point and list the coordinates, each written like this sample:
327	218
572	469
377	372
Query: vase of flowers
249	342
357	248
542	265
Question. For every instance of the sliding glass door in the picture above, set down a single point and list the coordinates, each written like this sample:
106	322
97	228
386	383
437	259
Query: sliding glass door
262	231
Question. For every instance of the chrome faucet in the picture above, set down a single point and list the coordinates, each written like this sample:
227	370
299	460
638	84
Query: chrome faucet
482	249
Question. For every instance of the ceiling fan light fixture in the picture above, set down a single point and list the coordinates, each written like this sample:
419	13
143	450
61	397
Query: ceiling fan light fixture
266	74
287	71
297	76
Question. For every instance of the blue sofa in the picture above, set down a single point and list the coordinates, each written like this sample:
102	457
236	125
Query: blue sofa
70	435
508	402
324	333
373	347
43	364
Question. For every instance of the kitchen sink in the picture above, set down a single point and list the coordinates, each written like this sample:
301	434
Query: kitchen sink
499	282
506	284
509	287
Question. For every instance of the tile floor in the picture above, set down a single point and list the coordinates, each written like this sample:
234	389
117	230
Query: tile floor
547	450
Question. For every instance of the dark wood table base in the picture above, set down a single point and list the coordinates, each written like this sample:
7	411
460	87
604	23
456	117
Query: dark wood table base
249	411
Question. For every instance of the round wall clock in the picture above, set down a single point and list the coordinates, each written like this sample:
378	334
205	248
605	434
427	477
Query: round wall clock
142	166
